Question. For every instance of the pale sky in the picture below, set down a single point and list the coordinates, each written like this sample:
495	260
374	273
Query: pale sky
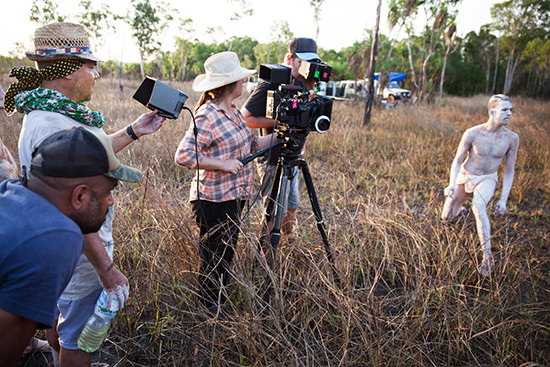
342	22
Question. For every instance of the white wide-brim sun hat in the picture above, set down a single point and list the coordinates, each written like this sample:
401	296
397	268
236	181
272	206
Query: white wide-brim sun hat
220	69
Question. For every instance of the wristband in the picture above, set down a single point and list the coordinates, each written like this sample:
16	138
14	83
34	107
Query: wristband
111	266
130	131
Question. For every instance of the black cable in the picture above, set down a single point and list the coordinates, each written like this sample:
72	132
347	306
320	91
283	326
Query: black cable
251	204
196	133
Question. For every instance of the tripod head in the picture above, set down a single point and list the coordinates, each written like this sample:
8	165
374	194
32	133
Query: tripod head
294	141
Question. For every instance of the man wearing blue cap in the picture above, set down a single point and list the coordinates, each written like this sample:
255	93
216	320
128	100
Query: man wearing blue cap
254	112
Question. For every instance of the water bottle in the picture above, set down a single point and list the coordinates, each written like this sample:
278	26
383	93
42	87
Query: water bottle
96	327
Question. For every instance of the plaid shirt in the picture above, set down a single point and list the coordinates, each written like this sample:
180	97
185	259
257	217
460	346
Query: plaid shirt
221	135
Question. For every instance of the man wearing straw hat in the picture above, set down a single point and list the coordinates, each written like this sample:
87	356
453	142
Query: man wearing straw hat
52	97
43	216
474	170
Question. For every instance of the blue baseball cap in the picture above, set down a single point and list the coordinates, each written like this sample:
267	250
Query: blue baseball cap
304	48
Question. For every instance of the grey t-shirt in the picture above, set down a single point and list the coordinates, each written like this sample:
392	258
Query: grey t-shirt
37	126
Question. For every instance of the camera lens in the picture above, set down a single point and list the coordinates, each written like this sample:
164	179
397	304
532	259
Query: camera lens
322	124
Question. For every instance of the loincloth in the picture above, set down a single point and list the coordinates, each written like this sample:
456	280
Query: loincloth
470	181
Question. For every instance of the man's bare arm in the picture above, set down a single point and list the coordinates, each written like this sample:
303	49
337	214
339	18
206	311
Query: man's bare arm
112	280
145	124
257	122
508	175
15	335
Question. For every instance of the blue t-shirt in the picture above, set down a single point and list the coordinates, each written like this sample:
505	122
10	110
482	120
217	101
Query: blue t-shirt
39	249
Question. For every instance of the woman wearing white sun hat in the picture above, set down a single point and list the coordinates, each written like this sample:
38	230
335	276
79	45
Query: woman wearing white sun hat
224	183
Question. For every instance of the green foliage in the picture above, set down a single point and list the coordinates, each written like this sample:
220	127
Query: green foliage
520	54
145	24
316	5
244	47
44	12
337	60
537	56
96	20
272	53
243	9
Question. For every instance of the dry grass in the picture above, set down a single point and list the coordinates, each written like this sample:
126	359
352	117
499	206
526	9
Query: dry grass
409	293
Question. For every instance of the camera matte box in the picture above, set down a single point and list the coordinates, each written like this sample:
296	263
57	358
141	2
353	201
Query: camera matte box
157	95
275	73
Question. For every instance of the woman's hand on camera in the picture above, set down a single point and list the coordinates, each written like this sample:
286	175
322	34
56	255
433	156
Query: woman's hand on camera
232	166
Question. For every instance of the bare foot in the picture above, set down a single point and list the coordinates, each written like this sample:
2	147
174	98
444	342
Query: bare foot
486	266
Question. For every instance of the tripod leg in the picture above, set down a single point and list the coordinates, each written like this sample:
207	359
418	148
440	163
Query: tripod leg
318	215
271	200
275	205
281	204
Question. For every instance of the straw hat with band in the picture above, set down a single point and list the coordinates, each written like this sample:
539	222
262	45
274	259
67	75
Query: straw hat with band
58	41
78	152
220	69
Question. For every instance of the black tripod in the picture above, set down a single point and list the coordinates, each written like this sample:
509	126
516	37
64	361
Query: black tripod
291	157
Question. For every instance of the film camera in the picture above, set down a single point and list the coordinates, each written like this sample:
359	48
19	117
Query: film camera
290	106
156	95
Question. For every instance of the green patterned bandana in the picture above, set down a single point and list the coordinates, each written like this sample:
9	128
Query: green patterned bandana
30	78
51	100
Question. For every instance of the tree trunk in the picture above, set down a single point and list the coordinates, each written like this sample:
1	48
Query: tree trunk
447	49
421	77
487	73
141	66
171	66
120	76
443	74
184	67
425	62
411	64
372	68
497	59
511	66
159	63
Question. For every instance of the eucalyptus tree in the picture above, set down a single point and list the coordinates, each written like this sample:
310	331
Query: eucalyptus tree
481	49
244	9
436	15
450	44
274	51
147	22
403	13
316	5
96	20
187	30
519	21
536	57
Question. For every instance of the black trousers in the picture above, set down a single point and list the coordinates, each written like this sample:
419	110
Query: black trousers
218	237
